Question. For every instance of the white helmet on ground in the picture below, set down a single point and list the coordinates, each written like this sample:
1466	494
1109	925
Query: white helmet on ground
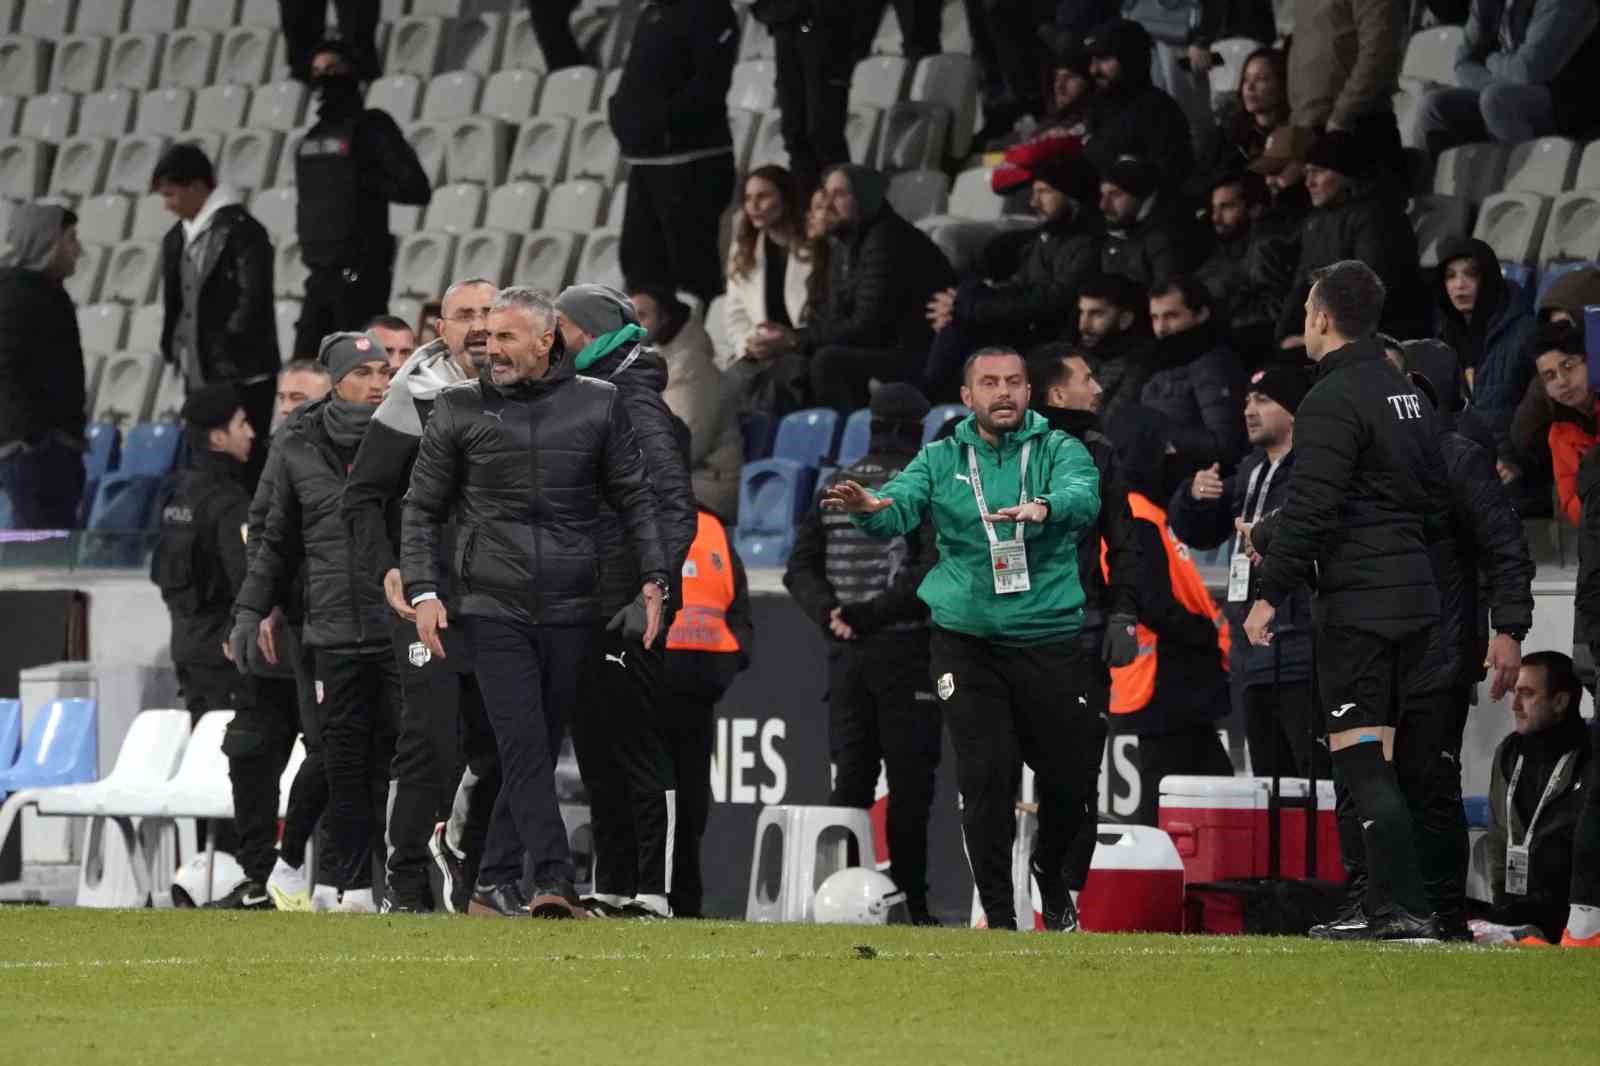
189	883
857	896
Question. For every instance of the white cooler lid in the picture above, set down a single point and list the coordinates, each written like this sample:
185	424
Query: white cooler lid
1229	793
1134	847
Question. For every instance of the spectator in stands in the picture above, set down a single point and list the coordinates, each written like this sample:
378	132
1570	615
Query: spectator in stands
42	419
1134	117
1272	684
862	593
1222	19
874	324
1247	271
352	164
1536	783
814	59
1563	367
1527	456
551	21
305	22
1114	329
397	338
427	329
1524	69
1176	689
698	394
1485	319
1344	70
1352	219
670	118
1262	106
1035	304
1196	382
1147	238
771	266
216	288
1072	100
300	382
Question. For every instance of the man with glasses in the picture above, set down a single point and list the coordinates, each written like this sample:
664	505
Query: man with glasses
441	696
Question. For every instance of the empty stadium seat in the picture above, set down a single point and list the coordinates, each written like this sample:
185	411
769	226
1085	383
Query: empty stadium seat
133	272
1437	219
547	260
1545	166
24	65
398	94
618	209
415	46
600	262
101	327
857	438
772	495
455	208
570	92
522	47
938	416
190	59
105	219
214	14
477	149
275	210
151	219
743	125
452	95
291	148
428	140
1472	171
81	166
1588	176
160	15
594	151
289	271
248	53
170	393
541	150
79	65
914	137
880	82
1573	229
511	96
279	106
167	112
144	329
918	194
260	13
862	127
134	161
951	80
806	437
516	207
102	455
49	117
59	749
24	169
105	17
250	159
10	109
889	41
754	86
134	61
488	253
126	389
1431	55
84	284
423	264
474	42
287	314
1513	223
107	114
404	219
768	149
576	205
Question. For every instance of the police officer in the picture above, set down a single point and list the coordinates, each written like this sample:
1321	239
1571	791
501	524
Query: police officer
862	591
1007	605
351	165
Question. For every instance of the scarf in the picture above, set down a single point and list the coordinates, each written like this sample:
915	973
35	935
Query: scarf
430	370
346	423
607	343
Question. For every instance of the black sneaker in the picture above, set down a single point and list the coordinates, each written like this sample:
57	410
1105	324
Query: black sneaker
1350	924
1453	927
1400	926
403	903
642	912
599	908
556	901
250	896
452	867
1060	915
498	901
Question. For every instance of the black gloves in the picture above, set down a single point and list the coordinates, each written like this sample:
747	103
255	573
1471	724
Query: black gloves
1121	645
242	638
631	620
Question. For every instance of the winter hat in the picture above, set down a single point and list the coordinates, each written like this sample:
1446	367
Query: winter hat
343	352
1123	39
1132	175
1285	386
899	402
1066	170
596	309
1340	152
211	407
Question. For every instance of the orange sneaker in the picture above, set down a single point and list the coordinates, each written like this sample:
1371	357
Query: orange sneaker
1570	941
1533	942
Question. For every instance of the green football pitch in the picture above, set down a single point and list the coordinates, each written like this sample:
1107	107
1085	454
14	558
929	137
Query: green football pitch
181	987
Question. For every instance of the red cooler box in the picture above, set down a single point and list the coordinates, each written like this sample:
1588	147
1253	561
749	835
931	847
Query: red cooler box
1219	825
1135	883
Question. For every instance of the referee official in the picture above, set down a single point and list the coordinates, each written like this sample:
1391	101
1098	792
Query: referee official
1007	605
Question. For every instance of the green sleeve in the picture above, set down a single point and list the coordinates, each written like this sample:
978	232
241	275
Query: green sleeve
911	491
1072	485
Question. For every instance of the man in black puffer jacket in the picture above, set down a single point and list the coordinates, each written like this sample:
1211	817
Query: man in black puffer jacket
524	462
1132	116
670	118
347	620
1148	236
622	751
1196	380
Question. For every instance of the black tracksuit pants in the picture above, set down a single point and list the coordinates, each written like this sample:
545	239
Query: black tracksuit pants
338	299
688	728
258	744
814	67
627	769
308	795
529	679
360	697
442	725
1081	854
670	224
880	710
1004	705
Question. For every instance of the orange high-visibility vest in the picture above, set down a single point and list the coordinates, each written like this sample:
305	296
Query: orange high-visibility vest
702	622
1133	686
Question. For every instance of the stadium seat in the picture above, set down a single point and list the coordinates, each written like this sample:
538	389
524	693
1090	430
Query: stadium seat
516	207
511	96
857	438
50	117
47	18
428	140
452	95
1431	55
1224	76
248	53
1588	176
806	437
918	194
522	47
260	13
879	82
1550	273
754	86
743	125
24	169
1545	166
126	388
576	205
107	114
474	42
218	108
79	65
160	15
59	749
190	59
135	160
600	263
10	733
105	219
151	219
208	141
289	271
1524	277
94	365
594	151
416	46
541	150
134	61
1437	219
279	106
889	41
133	272
937	417
570	92
398	94
1513	223
423	265
102	456
717	327
81	165
104	17
84	285
1472	171
150	449
455	208
144	329
170	394
488	253
287	314
10	110
250	159
617	210
769	149
102	327
547	260
291	148
914	136
24	65
1573	230
862	127
213	14
608	88
167	112
477	149
972	196
951	80
772	495
435	7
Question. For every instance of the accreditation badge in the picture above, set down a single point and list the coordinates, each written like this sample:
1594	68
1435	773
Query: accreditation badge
1239	579
1008	559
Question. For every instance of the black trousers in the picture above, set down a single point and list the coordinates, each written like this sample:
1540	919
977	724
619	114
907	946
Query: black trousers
1080	856
1009	705
814	67
1278	725
342	300
258	744
627	770
880	711
1020	56
443	725
305	26
360	696
552	28
688	728
919	27
1190	749
308	795
669	229
529	678
841	376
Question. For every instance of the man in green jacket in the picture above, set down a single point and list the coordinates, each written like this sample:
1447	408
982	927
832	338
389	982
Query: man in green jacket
1006	604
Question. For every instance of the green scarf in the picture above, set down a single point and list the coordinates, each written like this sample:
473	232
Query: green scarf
607	343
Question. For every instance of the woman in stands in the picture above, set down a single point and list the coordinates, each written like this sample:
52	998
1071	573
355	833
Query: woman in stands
769	264
1489	324
1261	106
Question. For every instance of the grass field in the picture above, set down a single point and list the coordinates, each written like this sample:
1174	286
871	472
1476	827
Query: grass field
181	988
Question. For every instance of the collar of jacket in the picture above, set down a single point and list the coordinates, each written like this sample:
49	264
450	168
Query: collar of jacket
1033	426
1587	421
1361	351
559	373
1142	221
638	361
1571	733
1181	349
216	464
222	196
1071	420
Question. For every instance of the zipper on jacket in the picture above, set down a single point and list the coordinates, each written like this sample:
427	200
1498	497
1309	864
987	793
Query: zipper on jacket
538	545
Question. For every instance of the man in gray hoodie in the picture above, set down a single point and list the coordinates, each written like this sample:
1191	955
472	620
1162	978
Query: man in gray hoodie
41	370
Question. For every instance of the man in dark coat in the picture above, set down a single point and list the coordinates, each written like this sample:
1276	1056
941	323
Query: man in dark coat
1114	331
1134	117
1147	237
1196	382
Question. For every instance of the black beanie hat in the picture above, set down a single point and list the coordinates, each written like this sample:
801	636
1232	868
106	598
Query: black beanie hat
1285	386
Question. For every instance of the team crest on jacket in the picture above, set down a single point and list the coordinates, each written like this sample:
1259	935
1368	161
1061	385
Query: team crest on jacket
947	686
716	562
419	654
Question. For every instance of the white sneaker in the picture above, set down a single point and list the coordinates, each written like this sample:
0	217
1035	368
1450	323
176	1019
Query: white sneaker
357	901
289	888
324	898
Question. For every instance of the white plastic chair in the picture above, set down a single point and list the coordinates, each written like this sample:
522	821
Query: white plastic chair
134	61
24	65
541	150
398	94
511	96
455	208
487	253
276	210
1513	223
453	95
81	165
474	42
1573	229
576	205
880	82
416	45
796	849
951	80
1545	166
478	149
547	260
164	112
248	52
595	153
279	106
570	92
516	207
190	59
107	114
80	64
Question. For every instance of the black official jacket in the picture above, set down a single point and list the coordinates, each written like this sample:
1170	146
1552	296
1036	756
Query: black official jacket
199	562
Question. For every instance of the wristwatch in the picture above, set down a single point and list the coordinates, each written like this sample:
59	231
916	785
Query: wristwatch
1042	502
660	583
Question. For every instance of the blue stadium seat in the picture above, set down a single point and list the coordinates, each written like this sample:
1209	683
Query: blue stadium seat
772	494
1476	809
939	416
1591	331
105	447
1552	271
151	449
857	439
59	750
756	428
10	732
1525	276
123	503
806	436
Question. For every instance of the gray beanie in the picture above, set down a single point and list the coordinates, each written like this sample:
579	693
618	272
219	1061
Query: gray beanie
597	309
343	352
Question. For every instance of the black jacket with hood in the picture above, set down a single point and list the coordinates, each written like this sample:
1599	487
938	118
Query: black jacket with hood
672	99
1159	244
1133	116
1197	383
1494	342
41	357
237	331
884	272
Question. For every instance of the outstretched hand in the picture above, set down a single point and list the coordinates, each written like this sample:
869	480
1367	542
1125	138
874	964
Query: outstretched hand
1030	513
851	498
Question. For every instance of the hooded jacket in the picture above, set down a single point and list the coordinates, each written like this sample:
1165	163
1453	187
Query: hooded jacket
525	471
1114	588
1133	116
1550	855
1493	340
672	99
237	331
959	590
41	357
884	270
1197	384
1040	298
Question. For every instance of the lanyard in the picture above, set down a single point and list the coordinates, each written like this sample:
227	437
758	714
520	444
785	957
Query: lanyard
977	489
1271	468
1549	790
